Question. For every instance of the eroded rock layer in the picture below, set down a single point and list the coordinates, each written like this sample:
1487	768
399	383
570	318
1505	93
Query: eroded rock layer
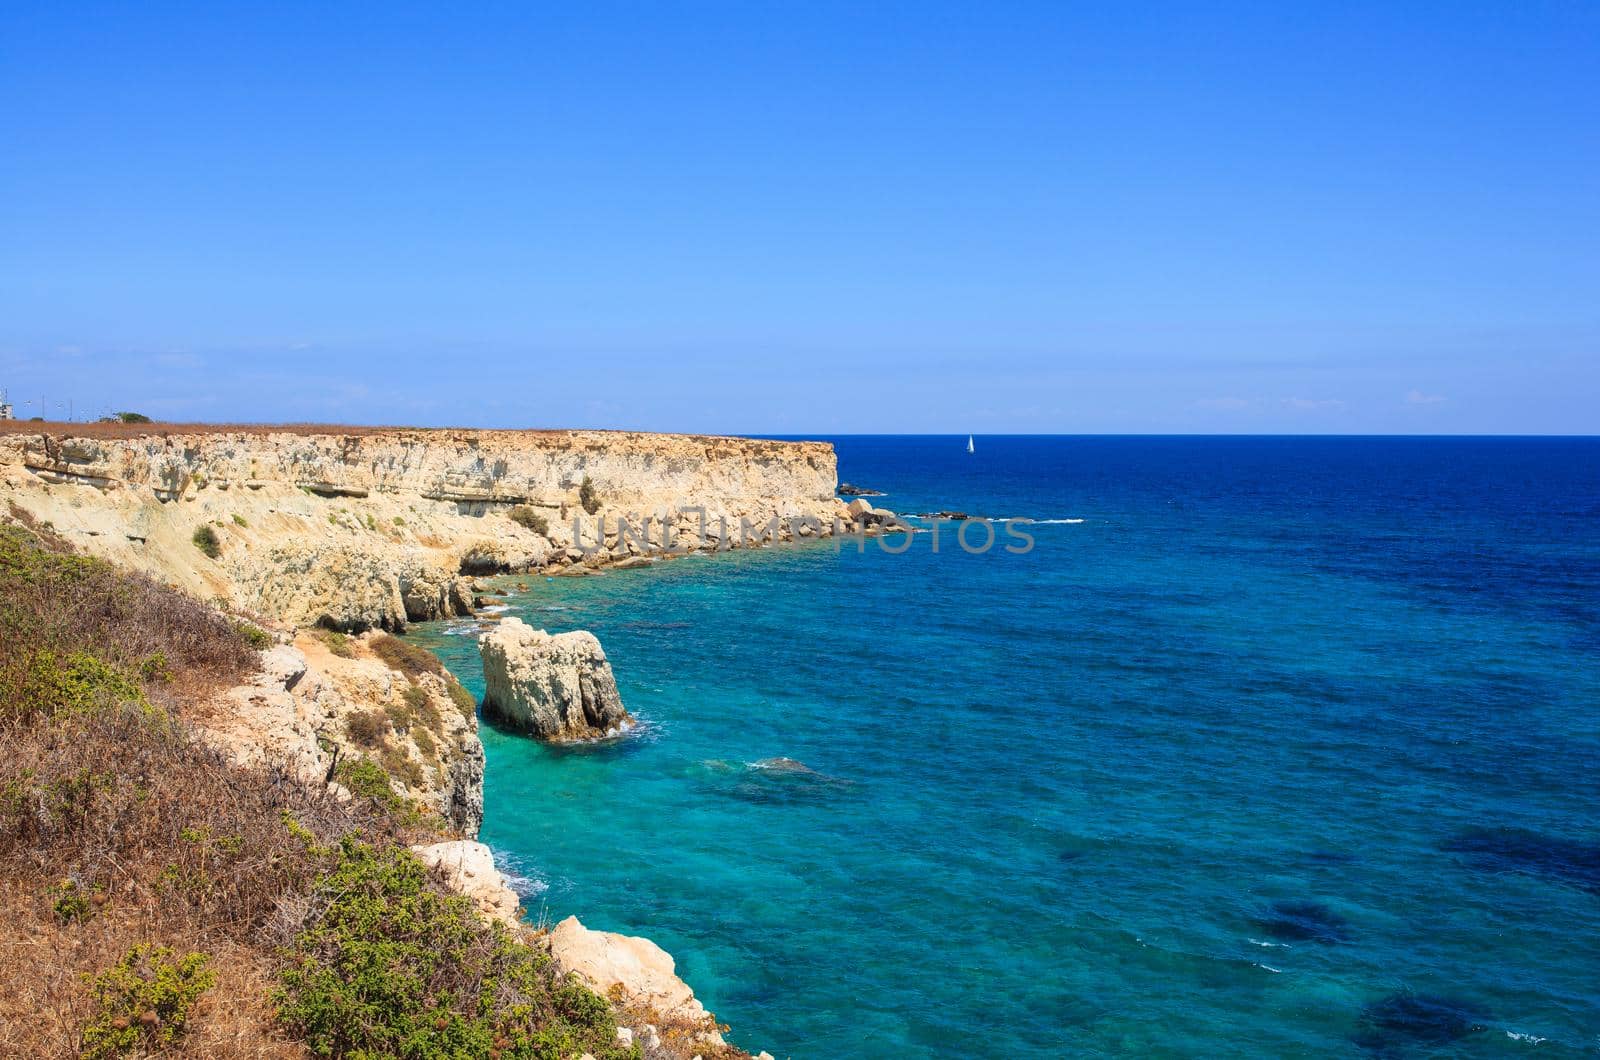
369	528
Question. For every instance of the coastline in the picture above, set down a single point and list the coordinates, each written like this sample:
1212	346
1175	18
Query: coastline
328	539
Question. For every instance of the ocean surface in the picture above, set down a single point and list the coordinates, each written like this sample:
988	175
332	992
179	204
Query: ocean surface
1268	747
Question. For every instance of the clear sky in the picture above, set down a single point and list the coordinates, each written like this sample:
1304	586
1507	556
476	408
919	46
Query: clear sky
807	217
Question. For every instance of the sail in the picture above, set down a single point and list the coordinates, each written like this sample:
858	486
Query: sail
969	444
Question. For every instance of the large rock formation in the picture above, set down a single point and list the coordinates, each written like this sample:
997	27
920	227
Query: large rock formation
371	528
307	705
555	687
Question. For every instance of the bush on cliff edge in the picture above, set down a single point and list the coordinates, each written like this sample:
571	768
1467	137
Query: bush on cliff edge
389	966
529	519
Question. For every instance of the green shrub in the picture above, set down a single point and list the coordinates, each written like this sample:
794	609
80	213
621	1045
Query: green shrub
70	902
71	683
337	643
388	966
399	764
254	636
525	516
366	778
422	704
416	711
132	417
239	520
205	539
399	521
461	697
143	1001
425	743
586	496
155	668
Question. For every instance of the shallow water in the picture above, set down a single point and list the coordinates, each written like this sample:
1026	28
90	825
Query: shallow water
1289	747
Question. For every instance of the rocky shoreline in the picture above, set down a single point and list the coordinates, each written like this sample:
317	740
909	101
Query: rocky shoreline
326	540
375	528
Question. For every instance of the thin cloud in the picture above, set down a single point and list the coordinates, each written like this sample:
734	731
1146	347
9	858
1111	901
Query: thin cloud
1300	404
1417	397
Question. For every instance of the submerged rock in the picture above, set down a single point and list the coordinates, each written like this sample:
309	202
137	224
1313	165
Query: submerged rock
1304	922
1517	850
785	780
847	489
1393	1024
784	765
555	687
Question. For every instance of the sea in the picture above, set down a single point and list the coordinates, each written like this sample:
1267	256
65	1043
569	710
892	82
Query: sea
1263	747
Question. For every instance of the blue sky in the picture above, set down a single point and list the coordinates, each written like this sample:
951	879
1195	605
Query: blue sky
792	218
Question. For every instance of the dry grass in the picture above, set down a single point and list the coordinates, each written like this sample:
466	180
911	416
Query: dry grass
42	1011
57	603
681	1036
163	841
576	437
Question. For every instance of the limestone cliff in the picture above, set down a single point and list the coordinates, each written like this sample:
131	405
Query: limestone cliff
362	528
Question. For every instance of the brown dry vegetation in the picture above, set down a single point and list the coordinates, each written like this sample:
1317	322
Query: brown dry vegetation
120	829
681	1036
116	826
55	605
56	429
409	659
143	430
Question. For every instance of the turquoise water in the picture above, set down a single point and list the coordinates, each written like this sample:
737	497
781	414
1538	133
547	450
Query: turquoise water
1290	747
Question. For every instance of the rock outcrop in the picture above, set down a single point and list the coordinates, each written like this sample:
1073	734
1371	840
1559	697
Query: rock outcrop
307	705
641	973
847	489
468	867
556	687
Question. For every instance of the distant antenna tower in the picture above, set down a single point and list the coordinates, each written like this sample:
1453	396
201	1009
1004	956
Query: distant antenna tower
5	406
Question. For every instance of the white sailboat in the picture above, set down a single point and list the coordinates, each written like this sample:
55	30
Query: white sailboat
969	444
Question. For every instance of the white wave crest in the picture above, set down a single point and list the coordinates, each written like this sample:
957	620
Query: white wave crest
1038	522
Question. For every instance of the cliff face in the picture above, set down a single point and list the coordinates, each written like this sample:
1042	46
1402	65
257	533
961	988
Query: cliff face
319	713
372	527
369	528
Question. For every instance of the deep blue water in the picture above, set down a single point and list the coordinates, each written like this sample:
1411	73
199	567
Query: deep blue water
1290	747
